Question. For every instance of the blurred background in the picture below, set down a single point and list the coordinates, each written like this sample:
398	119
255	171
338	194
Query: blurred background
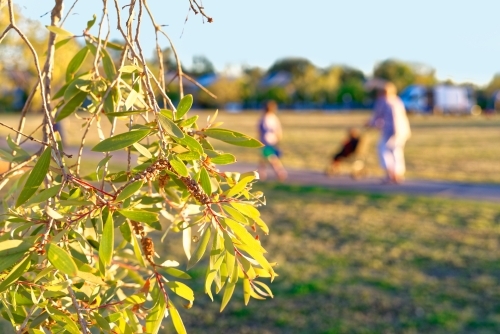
349	261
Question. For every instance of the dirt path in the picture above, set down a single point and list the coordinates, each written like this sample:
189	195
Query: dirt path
485	192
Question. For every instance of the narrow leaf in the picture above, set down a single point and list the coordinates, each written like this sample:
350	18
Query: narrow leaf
109	66
179	167
70	106
59	31
184	106
191	144
176	319
129	190
36	177
75	63
170	127
140	215
15	273
121	140
108	238
181	290
142	150
198	253
224	159
205	181
232	137
61	260
45	194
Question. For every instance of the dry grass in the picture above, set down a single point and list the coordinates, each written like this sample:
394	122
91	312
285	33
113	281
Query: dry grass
443	148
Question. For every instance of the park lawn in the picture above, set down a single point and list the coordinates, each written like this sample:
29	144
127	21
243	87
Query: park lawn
454	148
365	263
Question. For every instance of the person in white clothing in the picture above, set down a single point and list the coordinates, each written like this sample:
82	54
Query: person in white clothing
270	133
390	117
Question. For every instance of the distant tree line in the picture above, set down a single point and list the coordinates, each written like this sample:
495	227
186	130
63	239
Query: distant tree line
292	82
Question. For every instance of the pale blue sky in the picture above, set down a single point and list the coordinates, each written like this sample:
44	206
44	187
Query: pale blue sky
460	39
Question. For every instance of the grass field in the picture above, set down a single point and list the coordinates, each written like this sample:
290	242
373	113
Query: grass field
357	263
442	148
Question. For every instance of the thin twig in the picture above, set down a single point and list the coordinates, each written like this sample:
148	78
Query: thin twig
200	86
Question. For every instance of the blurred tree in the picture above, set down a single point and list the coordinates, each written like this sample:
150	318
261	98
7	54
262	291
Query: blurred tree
494	85
226	89
201	66
250	80
403	74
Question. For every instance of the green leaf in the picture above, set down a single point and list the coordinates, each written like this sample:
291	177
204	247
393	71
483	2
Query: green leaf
101	322
130	69
59	31
188	122
91	23
179	167
131	99
129	190
76	86
70	106
60	44
232	137
125	113
61	260
176	319
142	150
75	63
170	127
121	140
181	290
10	247
140	215
224	159
202	246
108	238
176	273
109	66
246	209
15	273
191	144
184	106
228	292
9	260
35	178
243	235
45	194
155	315
189	156
137	250
126	232
206	185
246	290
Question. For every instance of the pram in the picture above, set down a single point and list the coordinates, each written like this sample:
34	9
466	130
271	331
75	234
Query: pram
353	151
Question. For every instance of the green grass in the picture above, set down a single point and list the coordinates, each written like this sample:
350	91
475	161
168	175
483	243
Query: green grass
361	263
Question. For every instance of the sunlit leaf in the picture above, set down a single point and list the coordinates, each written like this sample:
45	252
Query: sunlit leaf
140	215
142	150
155	315
184	106
35	178
224	159
200	250
15	273
129	190
59	31
232	137
206	185
71	106
176	319
191	144
109	66
121	140
179	167
75	63
61	260
108	238
44	195
181	289
246	290
170	127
